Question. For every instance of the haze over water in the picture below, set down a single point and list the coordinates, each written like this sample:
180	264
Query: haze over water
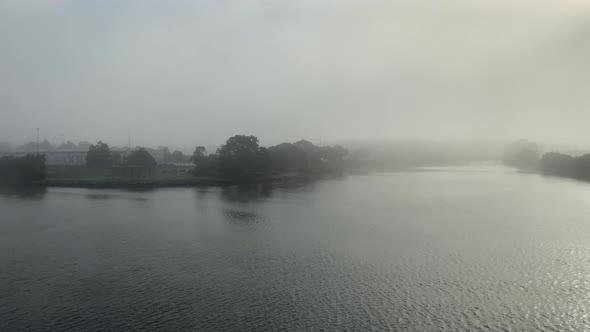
446	249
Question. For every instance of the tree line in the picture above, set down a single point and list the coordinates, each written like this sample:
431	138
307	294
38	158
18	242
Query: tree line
241	155
525	155
25	170
99	155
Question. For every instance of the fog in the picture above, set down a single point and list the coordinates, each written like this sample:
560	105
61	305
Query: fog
181	73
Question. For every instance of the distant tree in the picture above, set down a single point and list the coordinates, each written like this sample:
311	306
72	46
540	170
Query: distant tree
582	167
67	145
177	157
522	154
242	155
306	146
200	151
26	170
323	157
262	163
204	164
333	155
141	158
287	157
99	156
559	164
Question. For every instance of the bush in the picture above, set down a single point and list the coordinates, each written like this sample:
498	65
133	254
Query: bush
26	170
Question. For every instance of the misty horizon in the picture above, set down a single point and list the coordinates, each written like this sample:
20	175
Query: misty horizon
183	73
297	165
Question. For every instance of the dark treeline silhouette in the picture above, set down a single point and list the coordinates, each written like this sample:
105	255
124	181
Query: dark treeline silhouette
140	158
100	156
559	164
172	157
242	155
241	158
26	170
525	155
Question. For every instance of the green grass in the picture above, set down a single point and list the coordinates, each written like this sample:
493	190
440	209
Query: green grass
90	174
82	174
99	178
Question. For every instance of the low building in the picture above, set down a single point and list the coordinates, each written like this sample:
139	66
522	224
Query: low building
73	157
77	157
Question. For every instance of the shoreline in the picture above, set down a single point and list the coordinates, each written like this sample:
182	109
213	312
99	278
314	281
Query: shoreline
156	183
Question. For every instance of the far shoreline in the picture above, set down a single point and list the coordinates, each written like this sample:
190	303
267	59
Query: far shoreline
156	183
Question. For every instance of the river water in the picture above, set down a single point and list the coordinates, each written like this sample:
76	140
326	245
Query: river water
438	249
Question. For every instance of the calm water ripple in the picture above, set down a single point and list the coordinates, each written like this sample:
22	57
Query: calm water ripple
452	249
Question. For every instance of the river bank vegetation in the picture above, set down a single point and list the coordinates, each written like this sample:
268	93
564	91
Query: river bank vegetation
22	171
526	156
240	160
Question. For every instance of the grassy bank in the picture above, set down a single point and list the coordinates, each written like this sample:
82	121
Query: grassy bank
104	178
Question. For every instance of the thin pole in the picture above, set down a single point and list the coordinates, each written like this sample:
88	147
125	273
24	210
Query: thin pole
37	140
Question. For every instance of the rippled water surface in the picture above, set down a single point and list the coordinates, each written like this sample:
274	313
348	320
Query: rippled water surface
448	249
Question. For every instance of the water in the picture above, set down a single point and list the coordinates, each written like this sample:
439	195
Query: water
448	249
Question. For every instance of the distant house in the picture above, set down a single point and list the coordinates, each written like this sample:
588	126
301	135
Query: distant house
77	157
62	157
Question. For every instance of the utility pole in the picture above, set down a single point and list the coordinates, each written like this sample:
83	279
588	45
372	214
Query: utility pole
37	140
62	139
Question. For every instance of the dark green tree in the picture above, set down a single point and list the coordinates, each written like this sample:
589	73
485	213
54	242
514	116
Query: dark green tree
200	151
333	155
582	167
99	156
21	171
241	155
204	164
559	164
141	158
177	157
287	157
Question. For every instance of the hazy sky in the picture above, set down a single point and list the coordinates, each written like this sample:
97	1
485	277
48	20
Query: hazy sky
181	73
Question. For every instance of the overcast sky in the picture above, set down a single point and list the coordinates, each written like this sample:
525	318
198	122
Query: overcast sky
181	73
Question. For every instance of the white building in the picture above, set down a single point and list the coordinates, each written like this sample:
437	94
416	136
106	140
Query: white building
77	157
73	157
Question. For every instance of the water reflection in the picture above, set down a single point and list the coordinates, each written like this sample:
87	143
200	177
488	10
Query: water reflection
241	217
387	252
28	193
246	193
99	196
